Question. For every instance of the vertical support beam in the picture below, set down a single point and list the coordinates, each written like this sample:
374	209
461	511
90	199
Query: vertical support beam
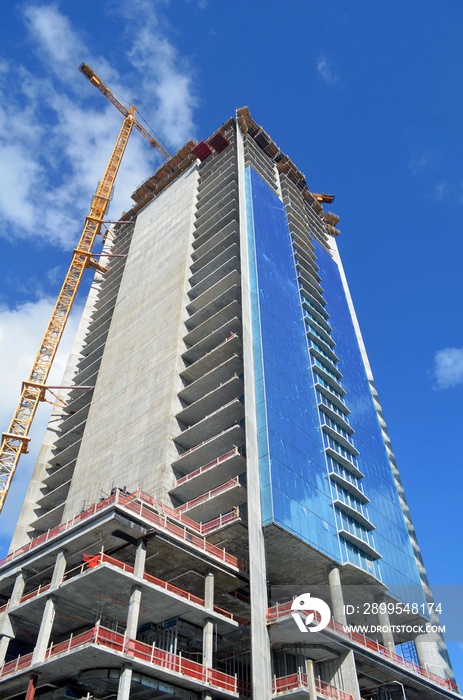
432	653
4	644
60	568
7	626
209	591
208	629
337	598
310	679
49	611
125	681
18	589
349	675
140	558
260	642
46	627
208	642
385	623
31	686
133	613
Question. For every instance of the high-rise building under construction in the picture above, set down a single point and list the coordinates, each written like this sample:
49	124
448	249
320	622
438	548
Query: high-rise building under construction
222	453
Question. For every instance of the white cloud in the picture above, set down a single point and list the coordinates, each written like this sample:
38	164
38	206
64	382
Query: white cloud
167	81
448	368
440	190
325	72
417	164
54	147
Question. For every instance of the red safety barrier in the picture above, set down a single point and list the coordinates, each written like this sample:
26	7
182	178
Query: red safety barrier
142	504
210	494
209	465
139	650
300	680
283	610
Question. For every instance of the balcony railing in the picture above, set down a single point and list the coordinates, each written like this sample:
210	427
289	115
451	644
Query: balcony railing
283	610
286	684
92	561
209	465
147	653
151	510
231	483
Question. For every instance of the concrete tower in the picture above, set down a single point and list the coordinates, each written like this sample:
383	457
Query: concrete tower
222	454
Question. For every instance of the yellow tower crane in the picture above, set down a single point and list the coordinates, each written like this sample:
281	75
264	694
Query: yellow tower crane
15	441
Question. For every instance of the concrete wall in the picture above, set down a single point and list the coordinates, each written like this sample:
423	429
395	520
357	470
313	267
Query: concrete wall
126	439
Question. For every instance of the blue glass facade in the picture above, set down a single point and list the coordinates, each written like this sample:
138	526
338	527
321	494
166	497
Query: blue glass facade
297	491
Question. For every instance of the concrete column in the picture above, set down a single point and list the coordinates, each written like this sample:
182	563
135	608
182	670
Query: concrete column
46	627
209	591
7	626
310	679
432	654
208	642
125	681
4	643
337	598
349	675
133	613
60	568
18	589
48	616
384	621
140	559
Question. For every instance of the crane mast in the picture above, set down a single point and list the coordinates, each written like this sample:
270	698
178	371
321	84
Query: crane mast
15	441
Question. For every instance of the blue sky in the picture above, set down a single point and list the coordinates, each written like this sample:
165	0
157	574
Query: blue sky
366	97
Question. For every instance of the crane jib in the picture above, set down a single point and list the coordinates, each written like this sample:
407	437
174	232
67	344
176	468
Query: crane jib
16	440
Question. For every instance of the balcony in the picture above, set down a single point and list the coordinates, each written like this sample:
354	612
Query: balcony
353	513
359	543
229	280
58	475
349	486
147	511
282	613
98	572
210	449
225	314
329	393
221	499
215	306
201	272
203	257
211	380
54	497
296	687
341	439
335	414
104	647
232	345
211	341
219	273
219	420
350	464
231	389
329	379
210	475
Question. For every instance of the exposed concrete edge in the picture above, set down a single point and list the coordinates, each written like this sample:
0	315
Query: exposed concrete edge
260	643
